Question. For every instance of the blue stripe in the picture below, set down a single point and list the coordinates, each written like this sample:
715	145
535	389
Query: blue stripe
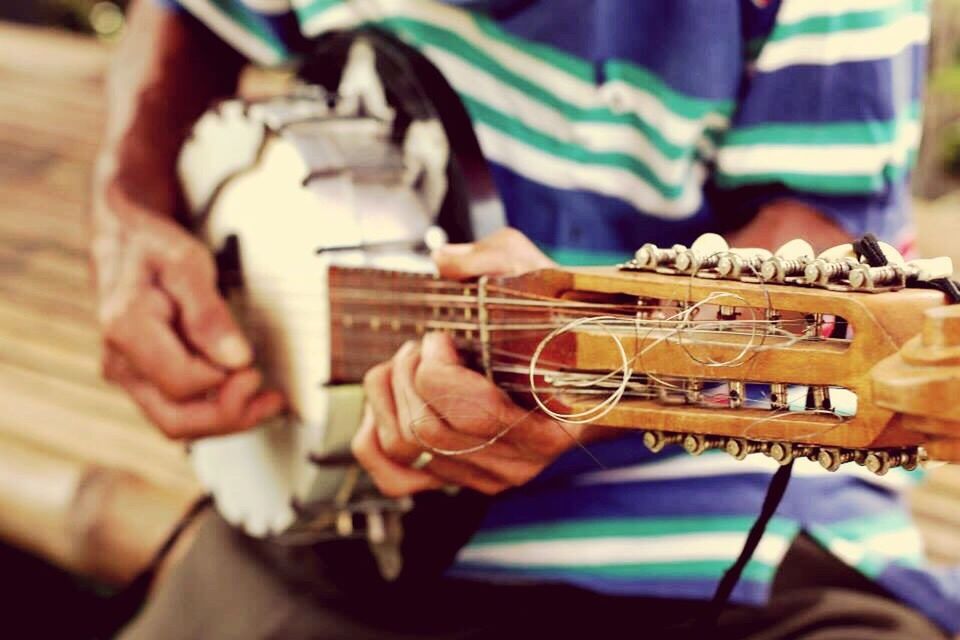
560	498
696	52
588	221
846	92
934	591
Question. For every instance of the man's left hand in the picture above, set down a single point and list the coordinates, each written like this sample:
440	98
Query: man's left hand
425	398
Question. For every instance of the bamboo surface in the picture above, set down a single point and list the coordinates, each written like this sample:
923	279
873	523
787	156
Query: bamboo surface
84	481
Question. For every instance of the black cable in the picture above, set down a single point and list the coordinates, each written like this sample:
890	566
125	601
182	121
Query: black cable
775	490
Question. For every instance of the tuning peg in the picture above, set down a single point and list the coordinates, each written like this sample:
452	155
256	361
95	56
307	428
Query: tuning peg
736	394
695	444
880	462
788	261
897	275
832	264
704	253
891	253
786	452
778	396
650	256
831	458
735	262
740	448
655	441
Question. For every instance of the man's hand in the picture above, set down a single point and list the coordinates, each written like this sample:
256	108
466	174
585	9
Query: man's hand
426	396
169	338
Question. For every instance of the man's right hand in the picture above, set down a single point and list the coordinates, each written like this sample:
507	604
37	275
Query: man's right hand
169	338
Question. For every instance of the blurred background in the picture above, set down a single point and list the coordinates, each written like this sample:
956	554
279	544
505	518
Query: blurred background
88	490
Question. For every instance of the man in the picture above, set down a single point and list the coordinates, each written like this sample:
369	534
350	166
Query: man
606	125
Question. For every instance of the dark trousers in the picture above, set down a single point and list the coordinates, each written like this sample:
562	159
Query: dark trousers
232	587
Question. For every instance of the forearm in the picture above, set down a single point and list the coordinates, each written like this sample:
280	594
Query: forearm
781	221
166	71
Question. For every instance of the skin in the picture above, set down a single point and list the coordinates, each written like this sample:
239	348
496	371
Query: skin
169	339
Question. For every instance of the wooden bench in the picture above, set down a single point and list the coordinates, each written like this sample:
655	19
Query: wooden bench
84	481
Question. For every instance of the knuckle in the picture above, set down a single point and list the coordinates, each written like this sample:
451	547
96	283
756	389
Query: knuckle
209	317
391	444
174	388
190	257
392	489
375	377
515	239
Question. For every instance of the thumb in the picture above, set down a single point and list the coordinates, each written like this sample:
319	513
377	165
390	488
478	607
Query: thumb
205	317
438	348
505	252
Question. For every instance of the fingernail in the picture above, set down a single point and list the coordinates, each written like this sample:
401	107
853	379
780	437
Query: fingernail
233	351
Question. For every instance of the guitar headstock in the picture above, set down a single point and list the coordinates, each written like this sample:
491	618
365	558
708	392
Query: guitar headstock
783	353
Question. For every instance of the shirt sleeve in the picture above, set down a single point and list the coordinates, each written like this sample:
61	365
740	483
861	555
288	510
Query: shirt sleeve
829	113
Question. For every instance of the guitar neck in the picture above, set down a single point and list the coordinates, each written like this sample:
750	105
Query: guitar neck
598	333
373	312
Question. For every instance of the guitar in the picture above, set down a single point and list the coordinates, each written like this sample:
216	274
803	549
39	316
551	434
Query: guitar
321	208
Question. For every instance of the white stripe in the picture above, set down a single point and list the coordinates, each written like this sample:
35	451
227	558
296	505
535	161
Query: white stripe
615	94
849	552
720	464
599	137
540	166
268	7
624	550
846	46
797	10
236	35
896	544
830	159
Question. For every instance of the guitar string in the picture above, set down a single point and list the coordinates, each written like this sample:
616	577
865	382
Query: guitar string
602	408
684	325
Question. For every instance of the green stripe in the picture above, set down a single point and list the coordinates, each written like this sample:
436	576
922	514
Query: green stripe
865	526
827	133
852	21
420	33
572	65
755	570
519	130
252	25
627	527
678	103
315	8
585	257
850	184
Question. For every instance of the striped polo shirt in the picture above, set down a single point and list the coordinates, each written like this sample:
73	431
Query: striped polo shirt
610	123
